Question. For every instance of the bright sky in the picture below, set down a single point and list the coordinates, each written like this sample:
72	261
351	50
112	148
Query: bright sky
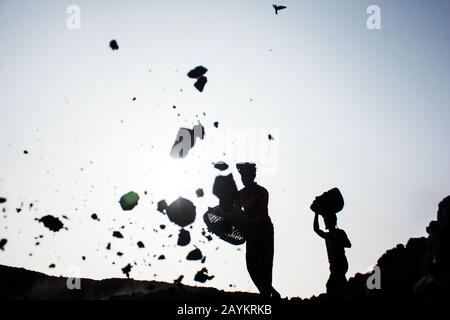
366	111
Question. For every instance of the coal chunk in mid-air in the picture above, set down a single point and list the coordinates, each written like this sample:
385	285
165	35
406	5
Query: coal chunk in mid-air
195	254
52	223
199	192
113	45
140	244
162	206
95	217
117	234
184	238
200	83
2	200
3	242
202	276
222	166
181	212
197	72
129	201
127	269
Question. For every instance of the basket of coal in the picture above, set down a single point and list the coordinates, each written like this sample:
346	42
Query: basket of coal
329	202
226	220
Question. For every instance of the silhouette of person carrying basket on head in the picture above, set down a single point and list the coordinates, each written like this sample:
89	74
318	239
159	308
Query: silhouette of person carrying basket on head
336	240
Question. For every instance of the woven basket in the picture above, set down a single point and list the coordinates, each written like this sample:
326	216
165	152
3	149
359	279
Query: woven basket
229	230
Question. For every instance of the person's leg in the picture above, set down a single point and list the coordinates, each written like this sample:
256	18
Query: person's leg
266	259
251	258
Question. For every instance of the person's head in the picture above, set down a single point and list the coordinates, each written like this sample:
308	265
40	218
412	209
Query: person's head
248	173
330	221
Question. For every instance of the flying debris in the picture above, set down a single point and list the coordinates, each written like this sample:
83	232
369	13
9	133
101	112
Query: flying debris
222	166
200	83
129	201
195	254
199	192
3	242
216	124
184	238
186	139
181	212
202	276
278	8
2	200
140	244
52	223
199	74
127	269
162	206
113	45
270	137
117	234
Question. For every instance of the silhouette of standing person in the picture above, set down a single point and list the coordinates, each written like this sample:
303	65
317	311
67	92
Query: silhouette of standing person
336	240
254	199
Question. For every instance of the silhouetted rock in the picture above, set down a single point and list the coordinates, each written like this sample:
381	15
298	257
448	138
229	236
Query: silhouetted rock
418	271
200	83
3	242
216	124
197	72
162	257
117	234
113	45
195	254
181	212
184	238
52	223
129	201
140	244
199	192
127	269
95	217
222	166
2	200
162	206
202	276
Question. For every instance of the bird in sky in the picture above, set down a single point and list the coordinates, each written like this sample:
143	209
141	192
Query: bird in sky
277	8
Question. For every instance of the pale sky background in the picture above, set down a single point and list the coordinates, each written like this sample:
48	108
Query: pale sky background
367	111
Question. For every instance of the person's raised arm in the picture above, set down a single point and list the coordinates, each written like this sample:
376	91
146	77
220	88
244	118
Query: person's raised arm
316	226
